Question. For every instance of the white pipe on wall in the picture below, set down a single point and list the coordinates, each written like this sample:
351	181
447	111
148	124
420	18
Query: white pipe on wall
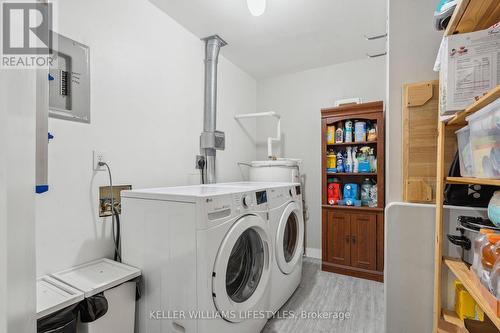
270	140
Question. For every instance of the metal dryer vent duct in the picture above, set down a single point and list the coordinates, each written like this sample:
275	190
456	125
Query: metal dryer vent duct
211	140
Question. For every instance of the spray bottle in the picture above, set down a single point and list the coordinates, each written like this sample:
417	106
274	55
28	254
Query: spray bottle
349	160
355	160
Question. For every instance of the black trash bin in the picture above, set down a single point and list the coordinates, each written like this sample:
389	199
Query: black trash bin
63	321
57	306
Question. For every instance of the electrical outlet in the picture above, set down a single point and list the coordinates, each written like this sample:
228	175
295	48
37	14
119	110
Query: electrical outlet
99	156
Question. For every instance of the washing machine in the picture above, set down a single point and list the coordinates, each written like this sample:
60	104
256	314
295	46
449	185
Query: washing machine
205	254
286	222
287	227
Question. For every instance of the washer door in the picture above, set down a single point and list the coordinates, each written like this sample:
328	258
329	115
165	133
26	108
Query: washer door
290	238
241	271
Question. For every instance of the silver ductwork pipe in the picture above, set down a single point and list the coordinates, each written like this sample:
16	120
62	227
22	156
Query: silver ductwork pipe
211	140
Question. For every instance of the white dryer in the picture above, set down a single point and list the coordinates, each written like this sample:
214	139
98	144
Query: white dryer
287	227
205	254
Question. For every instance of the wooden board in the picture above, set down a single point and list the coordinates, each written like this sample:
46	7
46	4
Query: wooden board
483	298
420	127
473	15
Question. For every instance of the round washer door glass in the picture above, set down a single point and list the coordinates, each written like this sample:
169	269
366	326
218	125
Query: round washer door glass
240	278
245	266
289	238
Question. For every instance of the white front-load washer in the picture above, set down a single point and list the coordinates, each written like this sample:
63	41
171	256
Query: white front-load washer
286	221
287	227
205	254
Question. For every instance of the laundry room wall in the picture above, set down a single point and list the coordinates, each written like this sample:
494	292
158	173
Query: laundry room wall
299	97
147	76
413	46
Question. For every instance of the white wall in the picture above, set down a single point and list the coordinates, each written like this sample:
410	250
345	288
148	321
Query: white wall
299	98
147	113
413	46
17	201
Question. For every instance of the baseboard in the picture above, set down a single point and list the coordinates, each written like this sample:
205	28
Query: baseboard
312	252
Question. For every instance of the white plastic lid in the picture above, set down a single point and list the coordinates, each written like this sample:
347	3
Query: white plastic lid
96	276
463	129
53	295
276	163
487	109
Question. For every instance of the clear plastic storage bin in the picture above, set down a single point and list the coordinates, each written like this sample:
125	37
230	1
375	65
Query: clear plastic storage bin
485	141
465	152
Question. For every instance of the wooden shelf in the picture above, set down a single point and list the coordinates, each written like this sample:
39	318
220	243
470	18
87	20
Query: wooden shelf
450	316
462	273
361	143
471	180
367	174
372	209
490	97
473	15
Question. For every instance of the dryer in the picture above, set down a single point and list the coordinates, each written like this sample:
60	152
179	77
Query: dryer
205	253
287	227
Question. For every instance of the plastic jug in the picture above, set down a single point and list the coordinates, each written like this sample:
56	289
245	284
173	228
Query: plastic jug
480	240
490	252
495	280
333	191
366	187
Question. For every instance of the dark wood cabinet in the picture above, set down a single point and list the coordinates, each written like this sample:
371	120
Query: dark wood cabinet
364	241
339	231
353	237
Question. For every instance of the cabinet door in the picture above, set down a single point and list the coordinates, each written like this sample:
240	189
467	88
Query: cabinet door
338	238
364	241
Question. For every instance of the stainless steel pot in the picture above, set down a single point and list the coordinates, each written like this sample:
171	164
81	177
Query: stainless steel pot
469	229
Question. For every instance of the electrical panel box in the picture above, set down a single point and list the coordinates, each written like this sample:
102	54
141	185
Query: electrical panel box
69	80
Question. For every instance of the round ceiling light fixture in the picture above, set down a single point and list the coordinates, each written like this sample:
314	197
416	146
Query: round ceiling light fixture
256	7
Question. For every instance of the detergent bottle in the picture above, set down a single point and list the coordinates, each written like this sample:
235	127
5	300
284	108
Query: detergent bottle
340	162
348	131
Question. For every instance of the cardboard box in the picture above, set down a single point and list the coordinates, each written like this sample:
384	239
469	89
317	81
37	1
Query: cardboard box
469	68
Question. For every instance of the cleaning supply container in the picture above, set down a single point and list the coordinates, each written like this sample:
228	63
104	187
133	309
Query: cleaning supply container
465	152
360	131
330	134
109	288
465	306
56	306
485	141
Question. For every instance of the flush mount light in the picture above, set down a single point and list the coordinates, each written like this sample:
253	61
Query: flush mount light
256	7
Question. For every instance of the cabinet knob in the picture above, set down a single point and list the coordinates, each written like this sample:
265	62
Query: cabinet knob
353	239
347	238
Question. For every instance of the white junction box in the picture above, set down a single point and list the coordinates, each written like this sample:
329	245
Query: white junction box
468	68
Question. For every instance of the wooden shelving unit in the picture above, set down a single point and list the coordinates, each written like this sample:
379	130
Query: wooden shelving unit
469	16
458	268
353	237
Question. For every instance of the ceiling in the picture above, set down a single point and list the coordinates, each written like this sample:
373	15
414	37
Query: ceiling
292	35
